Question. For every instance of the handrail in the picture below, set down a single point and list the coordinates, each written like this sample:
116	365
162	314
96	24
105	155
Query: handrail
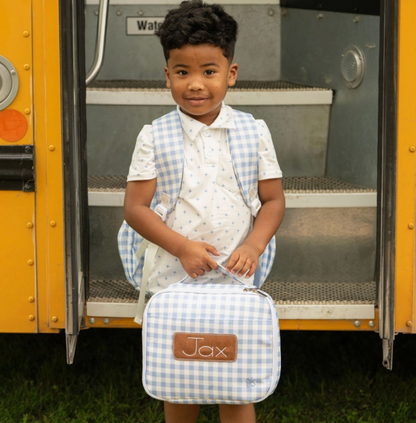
100	42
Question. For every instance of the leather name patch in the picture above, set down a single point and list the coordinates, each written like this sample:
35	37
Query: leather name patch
204	346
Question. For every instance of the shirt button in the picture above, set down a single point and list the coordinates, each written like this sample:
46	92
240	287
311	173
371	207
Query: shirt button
206	133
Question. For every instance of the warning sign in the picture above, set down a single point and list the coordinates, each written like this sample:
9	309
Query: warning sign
143	25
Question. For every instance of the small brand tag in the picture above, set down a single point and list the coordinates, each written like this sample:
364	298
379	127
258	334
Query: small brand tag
204	346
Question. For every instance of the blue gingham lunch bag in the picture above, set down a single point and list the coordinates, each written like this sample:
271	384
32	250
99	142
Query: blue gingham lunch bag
211	343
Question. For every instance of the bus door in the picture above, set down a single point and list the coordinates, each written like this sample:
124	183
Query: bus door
75	169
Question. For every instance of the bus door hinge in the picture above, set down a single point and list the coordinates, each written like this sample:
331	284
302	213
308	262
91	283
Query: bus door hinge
17	168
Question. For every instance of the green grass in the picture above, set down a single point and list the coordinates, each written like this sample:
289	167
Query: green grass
326	377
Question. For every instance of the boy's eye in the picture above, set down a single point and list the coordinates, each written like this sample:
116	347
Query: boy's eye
209	72
182	72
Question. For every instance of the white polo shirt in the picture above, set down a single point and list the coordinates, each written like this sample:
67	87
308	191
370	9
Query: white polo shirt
210	207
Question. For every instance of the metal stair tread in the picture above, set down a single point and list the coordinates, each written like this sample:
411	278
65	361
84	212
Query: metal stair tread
160	85
283	293
245	93
291	185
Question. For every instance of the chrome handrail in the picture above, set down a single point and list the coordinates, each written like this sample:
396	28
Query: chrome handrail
100	42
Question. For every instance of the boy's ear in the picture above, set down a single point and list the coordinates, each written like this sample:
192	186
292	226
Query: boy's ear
232	74
167	76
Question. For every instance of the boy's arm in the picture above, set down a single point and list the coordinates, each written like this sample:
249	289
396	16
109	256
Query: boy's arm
245	258
137	213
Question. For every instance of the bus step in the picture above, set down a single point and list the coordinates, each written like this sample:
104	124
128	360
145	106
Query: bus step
244	93
300	192
300	300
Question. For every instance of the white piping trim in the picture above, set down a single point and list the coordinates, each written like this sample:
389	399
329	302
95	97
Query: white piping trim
240	98
309	200
285	312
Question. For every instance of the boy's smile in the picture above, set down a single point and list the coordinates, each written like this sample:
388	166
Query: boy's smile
198	77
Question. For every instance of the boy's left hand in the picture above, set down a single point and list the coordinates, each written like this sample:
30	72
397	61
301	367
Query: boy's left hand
243	260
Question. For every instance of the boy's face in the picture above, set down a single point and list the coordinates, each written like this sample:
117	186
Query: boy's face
198	77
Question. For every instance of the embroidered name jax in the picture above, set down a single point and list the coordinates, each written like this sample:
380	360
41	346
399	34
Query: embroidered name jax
204	346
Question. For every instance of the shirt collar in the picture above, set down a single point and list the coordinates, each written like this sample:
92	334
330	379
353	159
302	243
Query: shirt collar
192	127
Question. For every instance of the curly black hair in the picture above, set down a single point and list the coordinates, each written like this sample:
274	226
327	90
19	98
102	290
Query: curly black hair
195	22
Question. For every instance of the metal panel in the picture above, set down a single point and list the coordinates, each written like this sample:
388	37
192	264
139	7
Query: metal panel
18	311
312	245
49	222
312	46
298	312
105	259
141	57
326	245
299	134
405	266
18	302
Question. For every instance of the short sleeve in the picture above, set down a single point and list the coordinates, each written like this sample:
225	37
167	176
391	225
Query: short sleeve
268	165
142	165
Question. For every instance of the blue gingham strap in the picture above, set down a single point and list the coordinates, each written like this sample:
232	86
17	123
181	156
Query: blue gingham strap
244	149
149	250
169	160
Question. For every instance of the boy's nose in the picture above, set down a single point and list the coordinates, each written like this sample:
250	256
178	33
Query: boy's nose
195	84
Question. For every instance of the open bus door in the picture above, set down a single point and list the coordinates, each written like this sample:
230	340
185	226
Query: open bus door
75	167
387	176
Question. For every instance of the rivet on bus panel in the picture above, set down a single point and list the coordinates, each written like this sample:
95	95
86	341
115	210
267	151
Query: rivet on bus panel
30	262
54	319
29	225
51	147
26	66
92	320
26	33
357	323
27	111
31	299
106	320
52	223
409	323
31	317
371	324
412	148
411	226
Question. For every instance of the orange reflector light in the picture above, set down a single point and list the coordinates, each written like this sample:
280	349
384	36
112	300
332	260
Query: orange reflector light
13	125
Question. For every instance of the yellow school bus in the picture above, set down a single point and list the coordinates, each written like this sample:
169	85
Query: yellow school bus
336	85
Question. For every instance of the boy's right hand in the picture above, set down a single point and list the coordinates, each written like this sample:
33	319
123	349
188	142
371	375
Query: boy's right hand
195	257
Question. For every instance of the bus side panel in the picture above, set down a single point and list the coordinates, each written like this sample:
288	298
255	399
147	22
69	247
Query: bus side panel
17	211
406	172
49	163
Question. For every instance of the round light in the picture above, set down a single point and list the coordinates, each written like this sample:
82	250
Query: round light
352	66
9	83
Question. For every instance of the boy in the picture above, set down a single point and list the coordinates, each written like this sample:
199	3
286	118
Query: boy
210	223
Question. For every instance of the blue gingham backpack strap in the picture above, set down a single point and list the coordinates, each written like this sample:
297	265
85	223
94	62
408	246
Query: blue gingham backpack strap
129	242
244	149
169	160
